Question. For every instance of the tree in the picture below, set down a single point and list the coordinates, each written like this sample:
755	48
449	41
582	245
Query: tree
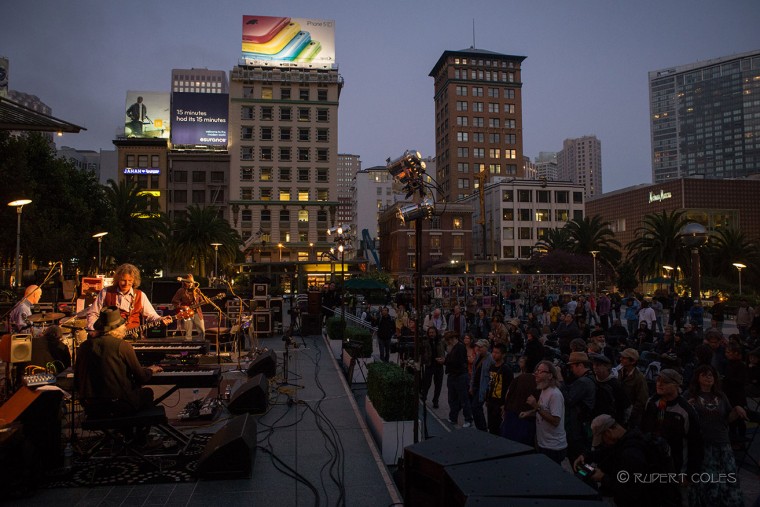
191	238
592	233
726	247
658	242
626	277
555	239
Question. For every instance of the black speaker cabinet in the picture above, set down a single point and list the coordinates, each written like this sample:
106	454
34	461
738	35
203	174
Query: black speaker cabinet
251	396
275	307
315	303
425	462
265	363
260	290
231	451
262	323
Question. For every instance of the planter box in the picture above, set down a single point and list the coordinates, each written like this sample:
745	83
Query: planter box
360	369
336	347
391	437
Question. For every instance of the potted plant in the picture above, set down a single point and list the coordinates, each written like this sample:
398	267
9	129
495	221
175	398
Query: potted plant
390	409
335	328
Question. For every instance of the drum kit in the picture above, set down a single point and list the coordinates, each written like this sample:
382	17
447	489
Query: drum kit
74	333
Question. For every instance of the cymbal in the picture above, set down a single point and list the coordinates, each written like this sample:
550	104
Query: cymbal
45	317
75	324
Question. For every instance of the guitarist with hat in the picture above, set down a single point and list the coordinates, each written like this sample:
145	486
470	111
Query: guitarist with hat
133	304
189	296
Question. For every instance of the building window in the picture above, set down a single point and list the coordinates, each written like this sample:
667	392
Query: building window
304	114
142	160
523	215
323	135
508	233
284	194
322	95
286	113
266	194
526	252
456	222
246	113
285	154
463	167
507	195
493	107
284	93
303	174
461	105
562	196
435	242
463	152
508	252
477	107
303	134
479	152
303	154
543	215
266	154
561	215
266	113
524	196
246	174
323	194
510	139
494	123
543	196
217	176
266	92
461	91
477	91
509	108
509	93
246	216
524	233
494	168
510	124
578	197
463	183
180	176
265	174
461	121
266	215
266	134
285	134
199	196
323	115
154	161
180	196
246	193
322	174
303	195
578	214
284	216
284	174
494	153
199	176
246	133
462	137
457	242
321	216
508	214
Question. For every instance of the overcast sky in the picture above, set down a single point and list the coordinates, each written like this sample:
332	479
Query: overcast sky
585	71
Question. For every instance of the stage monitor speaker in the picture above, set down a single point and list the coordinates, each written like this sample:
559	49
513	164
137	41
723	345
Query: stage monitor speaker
260	290
251	396
231	451
261	322
426	461
265	363
315	303
275	307
21	348
259	304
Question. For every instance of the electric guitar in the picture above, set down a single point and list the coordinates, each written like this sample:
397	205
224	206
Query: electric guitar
186	312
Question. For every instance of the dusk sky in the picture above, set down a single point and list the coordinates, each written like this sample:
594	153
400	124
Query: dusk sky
585	71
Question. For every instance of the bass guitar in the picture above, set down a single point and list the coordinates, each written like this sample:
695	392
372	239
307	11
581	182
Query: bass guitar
186	312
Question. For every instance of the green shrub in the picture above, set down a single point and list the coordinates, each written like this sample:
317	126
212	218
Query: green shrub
391	390
335	327
361	336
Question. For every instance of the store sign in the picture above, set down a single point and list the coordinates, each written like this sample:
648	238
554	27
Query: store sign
659	197
138	170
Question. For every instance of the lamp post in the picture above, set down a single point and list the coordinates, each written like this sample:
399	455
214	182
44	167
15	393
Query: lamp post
739	266
343	240
99	236
216	257
668	269
694	235
19	205
594	252
280	245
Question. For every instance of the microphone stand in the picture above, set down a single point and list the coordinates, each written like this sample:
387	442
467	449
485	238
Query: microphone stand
218	329
239	332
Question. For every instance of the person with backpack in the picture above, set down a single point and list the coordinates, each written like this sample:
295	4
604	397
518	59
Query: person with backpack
618	454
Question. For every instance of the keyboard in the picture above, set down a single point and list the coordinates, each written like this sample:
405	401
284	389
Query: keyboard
187	377
39	379
153	352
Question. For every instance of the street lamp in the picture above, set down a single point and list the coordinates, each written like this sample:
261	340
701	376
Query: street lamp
19	204
279	245
594	252
99	236
216	257
740	266
343	240
668	269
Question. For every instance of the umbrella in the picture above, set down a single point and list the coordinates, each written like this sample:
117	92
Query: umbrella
364	283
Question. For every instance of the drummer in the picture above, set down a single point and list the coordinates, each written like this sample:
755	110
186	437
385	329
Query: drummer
23	310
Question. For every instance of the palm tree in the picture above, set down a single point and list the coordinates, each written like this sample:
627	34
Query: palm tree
726	247
555	239
593	234
658	242
192	236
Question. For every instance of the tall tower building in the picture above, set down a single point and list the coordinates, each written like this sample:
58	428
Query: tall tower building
704	119
348	166
580	161
283	158
478	118
546	165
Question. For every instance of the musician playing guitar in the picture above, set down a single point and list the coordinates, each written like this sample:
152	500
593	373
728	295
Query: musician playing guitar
124	294
189	296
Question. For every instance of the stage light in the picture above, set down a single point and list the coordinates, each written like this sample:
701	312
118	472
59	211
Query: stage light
416	211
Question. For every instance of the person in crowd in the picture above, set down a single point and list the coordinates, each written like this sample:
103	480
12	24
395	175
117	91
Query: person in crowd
124	294
549	411
658	308
691	335
631	314
402	319
500	377
472	353
605	349
617	336
647	315
499	330
190	296
457	381
386	327
735	388
567	331
513	426
534	349
579	395
753	373
715	340
481	326
717	314
677	311
715	412
331	299
644	337
745	314
611	398
433	354
697	315
516	340
435	319
479	380
554	314
457	322
109	377
634	385
666	344
603	307
670	416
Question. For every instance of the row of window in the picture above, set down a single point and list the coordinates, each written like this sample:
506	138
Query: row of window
493	153
285	154
143	161
265	216
527	195
492	107
284	194
477	91
198	196
485	75
303	174
540	215
265	237
267	93
178	176
285	113
464	168
302	134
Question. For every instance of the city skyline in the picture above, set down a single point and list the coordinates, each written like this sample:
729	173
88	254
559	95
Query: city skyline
585	71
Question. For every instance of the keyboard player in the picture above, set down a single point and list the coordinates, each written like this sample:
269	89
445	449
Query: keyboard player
110	379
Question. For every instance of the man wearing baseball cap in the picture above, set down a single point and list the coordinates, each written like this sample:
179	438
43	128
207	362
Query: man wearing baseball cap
634	385
618	454
669	415
580	397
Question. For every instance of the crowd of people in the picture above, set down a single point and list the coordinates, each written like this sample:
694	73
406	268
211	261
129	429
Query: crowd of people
664	393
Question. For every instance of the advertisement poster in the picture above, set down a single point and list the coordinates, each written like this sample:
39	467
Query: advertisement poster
147	115
288	42
199	118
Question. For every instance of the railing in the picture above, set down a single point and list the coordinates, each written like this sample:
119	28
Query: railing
351	318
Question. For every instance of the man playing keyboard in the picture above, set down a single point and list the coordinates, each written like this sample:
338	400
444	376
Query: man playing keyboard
109	376
124	294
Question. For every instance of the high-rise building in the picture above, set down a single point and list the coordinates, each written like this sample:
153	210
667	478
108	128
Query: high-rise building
478	118
546	165
580	161
199	81
347	167
705	118
283	133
